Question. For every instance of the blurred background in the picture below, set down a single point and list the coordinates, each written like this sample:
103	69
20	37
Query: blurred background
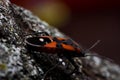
85	21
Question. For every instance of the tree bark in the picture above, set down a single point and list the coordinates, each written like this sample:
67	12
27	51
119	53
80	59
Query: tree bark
17	63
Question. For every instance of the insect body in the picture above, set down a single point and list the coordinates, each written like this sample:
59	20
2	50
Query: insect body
62	46
54	45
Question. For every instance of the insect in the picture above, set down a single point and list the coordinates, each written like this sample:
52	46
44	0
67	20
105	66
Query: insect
47	43
62	46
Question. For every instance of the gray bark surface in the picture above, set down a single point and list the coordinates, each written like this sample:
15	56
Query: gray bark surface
17	63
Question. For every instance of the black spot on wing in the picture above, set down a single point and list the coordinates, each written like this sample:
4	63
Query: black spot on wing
71	42
59	43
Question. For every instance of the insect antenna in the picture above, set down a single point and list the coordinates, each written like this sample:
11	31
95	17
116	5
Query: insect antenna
98	41
87	50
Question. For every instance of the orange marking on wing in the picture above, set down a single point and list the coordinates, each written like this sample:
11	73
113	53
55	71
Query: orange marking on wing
51	45
68	47
60	38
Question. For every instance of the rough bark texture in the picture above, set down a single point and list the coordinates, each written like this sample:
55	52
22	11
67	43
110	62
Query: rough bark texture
17	63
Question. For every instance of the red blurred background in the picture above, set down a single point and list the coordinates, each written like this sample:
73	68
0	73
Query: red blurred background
86	21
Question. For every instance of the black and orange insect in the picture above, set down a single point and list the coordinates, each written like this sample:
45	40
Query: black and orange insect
49	44
62	46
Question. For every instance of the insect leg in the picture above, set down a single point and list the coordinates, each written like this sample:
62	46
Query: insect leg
76	69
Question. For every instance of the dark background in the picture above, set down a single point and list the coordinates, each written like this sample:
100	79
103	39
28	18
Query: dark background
86	21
